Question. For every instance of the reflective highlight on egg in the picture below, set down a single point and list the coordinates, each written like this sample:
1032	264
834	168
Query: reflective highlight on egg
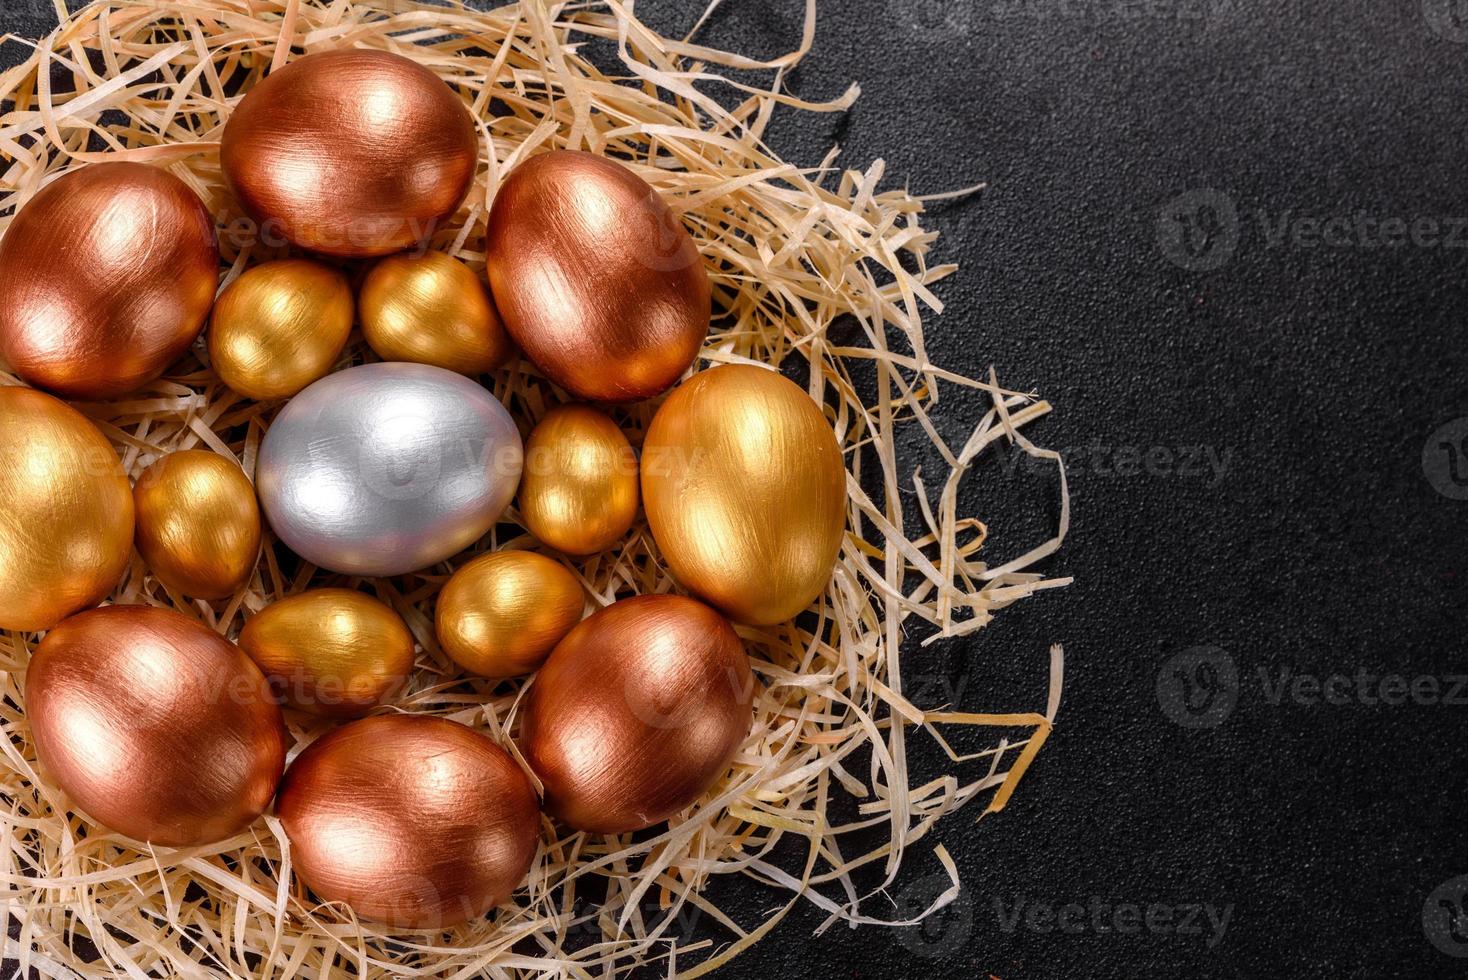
387	468
109	272
351	152
333	652
279	327
501	614
155	726
414	821
595	278
67	533
432	309
579	490
745	491
198	525
638	711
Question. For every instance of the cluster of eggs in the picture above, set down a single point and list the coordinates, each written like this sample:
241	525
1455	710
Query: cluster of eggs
163	730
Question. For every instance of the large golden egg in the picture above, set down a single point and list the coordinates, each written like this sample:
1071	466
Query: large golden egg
333	652
155	726
745	491
109	272
279	327
418	822
431	309
638	711
198	523
501	614
351	152
67	528
595	278
578	491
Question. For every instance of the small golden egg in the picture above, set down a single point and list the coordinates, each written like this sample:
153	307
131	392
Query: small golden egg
198	524
432	309
333	652
279	327
502	613
578	492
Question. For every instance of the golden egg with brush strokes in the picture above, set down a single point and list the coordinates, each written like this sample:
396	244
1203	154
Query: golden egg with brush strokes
745	491
431	309
198	523
578	491
500	615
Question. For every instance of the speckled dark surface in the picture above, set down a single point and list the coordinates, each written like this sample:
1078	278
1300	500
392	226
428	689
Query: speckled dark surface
1284	395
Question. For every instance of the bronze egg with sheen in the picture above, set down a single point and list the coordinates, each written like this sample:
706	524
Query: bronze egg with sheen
198	523
280	326
155	726
333	652
353	153
745	491
638	711
109	272
431	309
595	278
500	614
578	491
418	822
67	531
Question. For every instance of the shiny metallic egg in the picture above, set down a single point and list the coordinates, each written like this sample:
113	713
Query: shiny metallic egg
155	726
387	468
198	523
351	152
109	272
332	652
638	711
67	532
595	278
578	493
432	309
502	613
744	486
414	821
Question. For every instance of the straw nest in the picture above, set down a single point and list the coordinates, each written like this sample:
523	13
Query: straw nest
790	251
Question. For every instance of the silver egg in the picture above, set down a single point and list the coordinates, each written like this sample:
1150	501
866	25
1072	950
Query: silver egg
387	468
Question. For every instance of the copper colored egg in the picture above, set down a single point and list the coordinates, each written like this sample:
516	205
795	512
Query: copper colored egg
198	524
109	272
638	711
432	309
351	152
578	491
501	614
66	512
595	278
155	726
279	327
333	652
744	486
414	821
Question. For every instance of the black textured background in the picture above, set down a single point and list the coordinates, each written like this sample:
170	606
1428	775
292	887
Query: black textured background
1149	256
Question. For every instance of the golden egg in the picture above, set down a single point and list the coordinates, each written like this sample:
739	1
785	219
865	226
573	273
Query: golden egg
333	652
351	152
578	491
745	491
67	532
595	278
109	272
418	822
155	725
638	711
279	327
432	309
198	524
501	614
